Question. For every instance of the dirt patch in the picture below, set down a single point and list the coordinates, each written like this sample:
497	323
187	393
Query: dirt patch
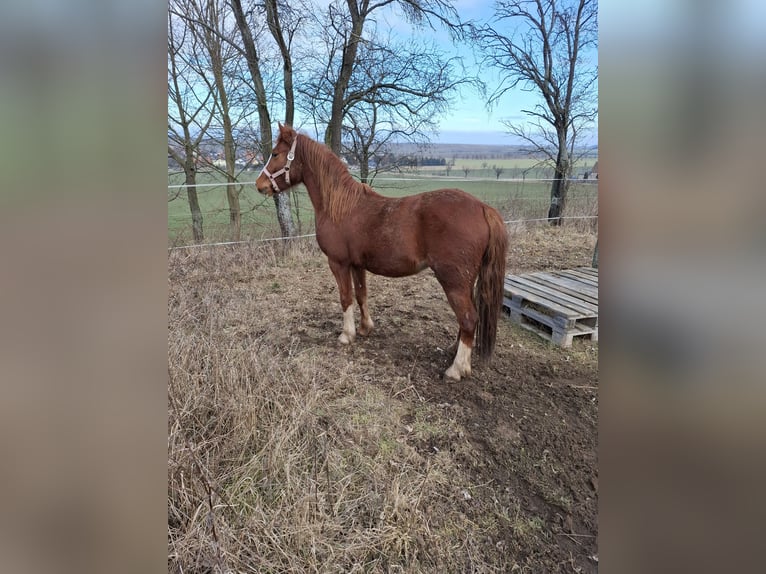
501	468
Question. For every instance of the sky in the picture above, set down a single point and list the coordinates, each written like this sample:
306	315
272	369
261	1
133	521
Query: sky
469	121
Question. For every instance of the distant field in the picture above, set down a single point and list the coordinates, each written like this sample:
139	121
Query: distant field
516	199
513	167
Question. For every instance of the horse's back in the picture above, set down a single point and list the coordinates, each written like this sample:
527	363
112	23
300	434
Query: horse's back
453	212
453	228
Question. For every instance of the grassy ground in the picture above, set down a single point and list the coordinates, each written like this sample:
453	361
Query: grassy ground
290	453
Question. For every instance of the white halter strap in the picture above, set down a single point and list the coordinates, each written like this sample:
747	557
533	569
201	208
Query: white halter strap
284	170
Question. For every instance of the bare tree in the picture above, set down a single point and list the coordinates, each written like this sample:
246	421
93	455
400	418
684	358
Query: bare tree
345	34
283	36
189	115
395	94
545	49
252	56
207	21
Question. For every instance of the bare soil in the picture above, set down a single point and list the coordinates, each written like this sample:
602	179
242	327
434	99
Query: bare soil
496	473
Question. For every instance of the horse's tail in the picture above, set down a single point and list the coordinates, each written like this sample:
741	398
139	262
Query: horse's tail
489	286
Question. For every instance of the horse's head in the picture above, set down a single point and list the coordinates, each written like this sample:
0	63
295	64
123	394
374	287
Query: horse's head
276	175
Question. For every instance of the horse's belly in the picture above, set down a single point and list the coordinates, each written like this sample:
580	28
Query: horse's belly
392	265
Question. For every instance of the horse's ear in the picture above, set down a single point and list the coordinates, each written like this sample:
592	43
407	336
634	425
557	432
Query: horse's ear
283	131
286	133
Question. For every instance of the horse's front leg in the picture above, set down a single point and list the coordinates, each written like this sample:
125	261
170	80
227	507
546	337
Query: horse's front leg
360	288
342	275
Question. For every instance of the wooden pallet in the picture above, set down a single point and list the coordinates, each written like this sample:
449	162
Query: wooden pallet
557	305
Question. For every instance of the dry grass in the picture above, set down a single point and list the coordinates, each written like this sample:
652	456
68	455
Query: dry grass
278	461
292	457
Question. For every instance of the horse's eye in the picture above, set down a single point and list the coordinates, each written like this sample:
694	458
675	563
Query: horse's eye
274	154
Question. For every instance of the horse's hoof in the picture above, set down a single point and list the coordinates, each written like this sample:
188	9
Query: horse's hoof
452	374
365	330
344	339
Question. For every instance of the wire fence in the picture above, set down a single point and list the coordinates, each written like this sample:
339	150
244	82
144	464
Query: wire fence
521	202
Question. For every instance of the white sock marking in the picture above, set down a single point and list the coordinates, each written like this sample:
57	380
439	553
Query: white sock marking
349	330
461	366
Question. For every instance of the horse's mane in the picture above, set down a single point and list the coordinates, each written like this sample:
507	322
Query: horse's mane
339	191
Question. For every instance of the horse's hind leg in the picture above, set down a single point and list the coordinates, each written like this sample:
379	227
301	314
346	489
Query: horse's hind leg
343	279
360	287
459	297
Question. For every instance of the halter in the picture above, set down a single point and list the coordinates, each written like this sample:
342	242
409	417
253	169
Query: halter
284	170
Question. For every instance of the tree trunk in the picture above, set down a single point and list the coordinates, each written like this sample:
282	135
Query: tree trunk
364	167
229	151
232	191
272	18
235	216
334	127
560	184
284	214
190	172
254	67
555	209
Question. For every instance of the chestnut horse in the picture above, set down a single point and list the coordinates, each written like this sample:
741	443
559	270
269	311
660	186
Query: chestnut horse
460	238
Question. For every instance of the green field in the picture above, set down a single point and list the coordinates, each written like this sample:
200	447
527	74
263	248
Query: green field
515	199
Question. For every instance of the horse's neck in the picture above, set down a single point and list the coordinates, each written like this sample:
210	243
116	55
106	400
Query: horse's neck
314	179
311	182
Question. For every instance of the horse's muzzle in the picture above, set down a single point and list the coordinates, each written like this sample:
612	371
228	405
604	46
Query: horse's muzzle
265	190
264	187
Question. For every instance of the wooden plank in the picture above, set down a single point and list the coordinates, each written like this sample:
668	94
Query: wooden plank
552	321
557	335
562	339
583	284
576	307
521	293
575	280
575	310
582	329
557	305
582	277
590	290
592	271
556	283
585	271
558	293
556	321
535	329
